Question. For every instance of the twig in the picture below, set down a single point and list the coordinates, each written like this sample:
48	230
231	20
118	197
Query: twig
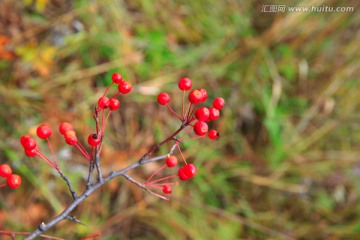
12	234
73	193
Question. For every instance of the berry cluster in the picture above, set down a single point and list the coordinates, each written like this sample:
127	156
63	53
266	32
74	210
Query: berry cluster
193	118
104	103
12	180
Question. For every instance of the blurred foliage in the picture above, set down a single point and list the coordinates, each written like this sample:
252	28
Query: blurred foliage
286	165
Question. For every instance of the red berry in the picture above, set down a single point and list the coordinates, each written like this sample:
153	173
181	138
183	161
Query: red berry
5	170
29	143
190	170
114	104
195	96
205	94
14	181
163	98
94	140
202	114
43	131
116	78
103	102
31	153
213	134
214	114
124	87
200	128
64	127
23	139
167	189
171	161
70	137
185	84
182	175
218	103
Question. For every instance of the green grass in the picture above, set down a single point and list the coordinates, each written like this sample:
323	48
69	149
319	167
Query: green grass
285	166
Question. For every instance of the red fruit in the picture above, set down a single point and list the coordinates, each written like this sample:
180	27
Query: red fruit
190	170
14	181
28	143
65	127
213	134
94	140
200	128
5	170
44	131
182	175
171	161
202	114
185	84
31	153
163	98
195	96
116	78
124	87
167	189
114	104
23	139
214	113
70	137
205	94
218	103
103	102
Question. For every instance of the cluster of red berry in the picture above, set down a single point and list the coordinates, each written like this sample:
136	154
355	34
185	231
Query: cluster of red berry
67	130
12	180
193	117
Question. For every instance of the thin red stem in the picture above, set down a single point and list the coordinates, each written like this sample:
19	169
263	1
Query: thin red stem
162	179
152	175
183	103
107	90
193	138
104	124
52	153
186	133
173	112
181	154
91	236
2	185
162	184
192	112
83	151
115	95
188	109
43	157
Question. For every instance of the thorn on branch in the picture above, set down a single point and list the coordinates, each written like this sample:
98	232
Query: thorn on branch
73	218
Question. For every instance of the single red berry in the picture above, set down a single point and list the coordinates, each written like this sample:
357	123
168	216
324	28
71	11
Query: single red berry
64	127
185	84
202	114
213	134
190	170
23	139
124	87
163	98
214	114
116	78
94	140
14	181
31	153
200	128
29	143
5	170
195	96
44	131
218	103
167	189
171	161
182	175
70	137
103	102
114	104
205	94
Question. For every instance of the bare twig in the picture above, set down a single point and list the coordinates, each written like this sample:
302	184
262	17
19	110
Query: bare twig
73	193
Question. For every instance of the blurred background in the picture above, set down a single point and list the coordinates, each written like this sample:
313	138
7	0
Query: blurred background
286	165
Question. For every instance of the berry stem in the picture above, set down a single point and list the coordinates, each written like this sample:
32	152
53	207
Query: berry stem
193	138
183	103
43	157
52	153
2	185
181	154
81	148
162	184
161	179
107	89
173	112
187	110
104	124
154	173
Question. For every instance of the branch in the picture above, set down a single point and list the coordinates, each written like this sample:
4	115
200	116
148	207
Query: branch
91	188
